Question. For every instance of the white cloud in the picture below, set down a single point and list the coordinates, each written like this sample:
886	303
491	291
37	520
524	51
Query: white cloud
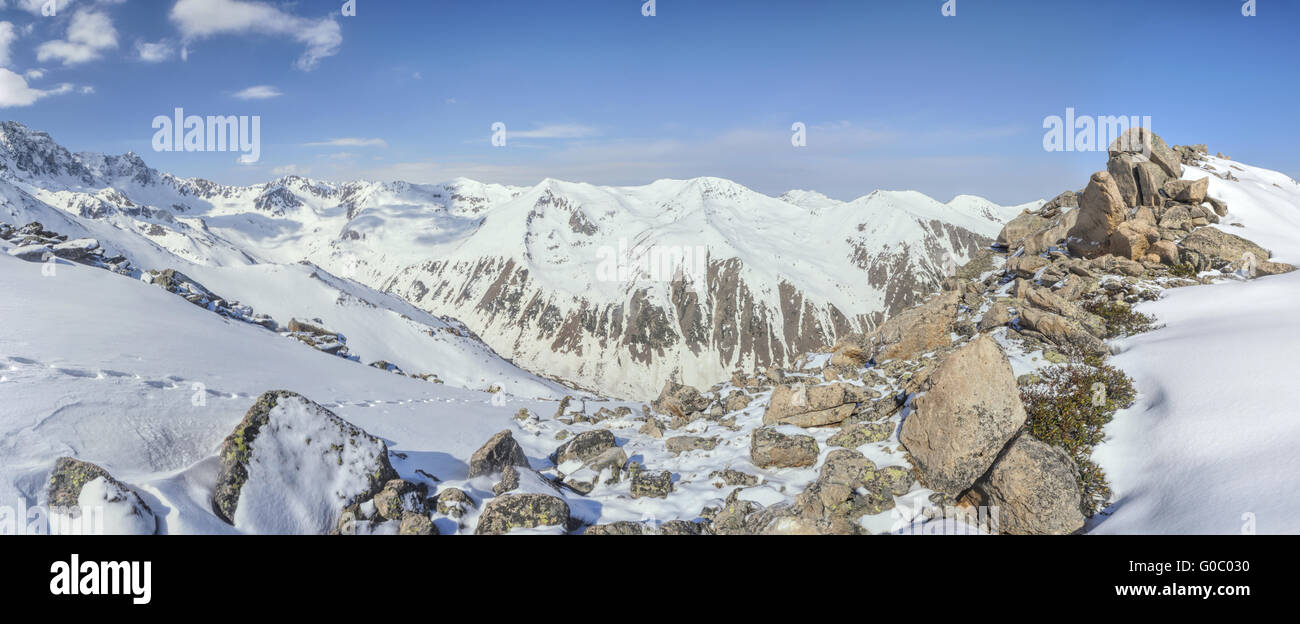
36	7
14	90
554	131
349	142
259	92
154	52
90	33
34	74
198	19
7	36
290	170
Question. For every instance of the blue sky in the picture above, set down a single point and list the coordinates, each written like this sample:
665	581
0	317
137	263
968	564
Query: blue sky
893	94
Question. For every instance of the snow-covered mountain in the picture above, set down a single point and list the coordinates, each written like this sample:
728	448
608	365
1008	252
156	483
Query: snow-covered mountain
616	289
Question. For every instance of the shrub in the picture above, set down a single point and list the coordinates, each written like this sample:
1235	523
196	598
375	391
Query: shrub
1183	270
1120	318
1068	407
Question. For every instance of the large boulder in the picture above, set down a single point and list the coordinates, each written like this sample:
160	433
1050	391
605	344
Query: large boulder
85	499
1061	331
292	466
1101	210
1123	169
1150	180
501	450
1034	487
769	448
848	488
970	409
522	511
813	406
1052	235
1132	239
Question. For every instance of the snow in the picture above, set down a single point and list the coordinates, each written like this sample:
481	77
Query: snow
1210	445
105	509
304	469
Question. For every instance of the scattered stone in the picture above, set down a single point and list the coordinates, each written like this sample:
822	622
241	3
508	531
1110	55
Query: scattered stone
651	484
682	444
454	503
1034	486
584	447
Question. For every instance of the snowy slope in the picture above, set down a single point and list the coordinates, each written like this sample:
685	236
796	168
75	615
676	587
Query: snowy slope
1210	445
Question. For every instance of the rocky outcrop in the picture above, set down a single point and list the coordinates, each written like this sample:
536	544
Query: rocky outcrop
1101	210
813	406
970	409
1213	249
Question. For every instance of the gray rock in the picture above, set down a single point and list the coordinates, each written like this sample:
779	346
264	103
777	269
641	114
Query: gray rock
651	484
400	496
64	493
416	524
454	503
501	450
853	436
522	511
682	444
584	446
770	448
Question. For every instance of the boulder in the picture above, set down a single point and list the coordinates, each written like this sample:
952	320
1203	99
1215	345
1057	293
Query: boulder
291	466
969	410
416	524
78	250
1132	239
499	451
1122	168
769	448
32	253
848	488
651	484
1034	487
997	315
522	511
813	406
85	499
1017	229
679	400
1212	248
914	331
454	503
682	444
398	497
1167	251
1101	210
853	436
1150	179
1026	266
1061	331
1187	191
1053	235
584	447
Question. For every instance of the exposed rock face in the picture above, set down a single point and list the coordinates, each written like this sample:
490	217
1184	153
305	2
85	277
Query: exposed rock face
84	499
1061	330
1101	210
813	406
522	511
1033	485
848	488
970	410
501	450
291	466
1020	227
1143	141
770	448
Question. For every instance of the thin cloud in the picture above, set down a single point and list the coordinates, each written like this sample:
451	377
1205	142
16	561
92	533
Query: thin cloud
349	142
8	33
259	92
555	131
200	19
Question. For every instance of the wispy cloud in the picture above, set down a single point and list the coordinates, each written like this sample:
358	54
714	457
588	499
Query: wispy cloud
8	34
349	142
259	92
199	19
555	131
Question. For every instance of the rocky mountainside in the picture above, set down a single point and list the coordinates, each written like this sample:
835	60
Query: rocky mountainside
988	407
613	289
